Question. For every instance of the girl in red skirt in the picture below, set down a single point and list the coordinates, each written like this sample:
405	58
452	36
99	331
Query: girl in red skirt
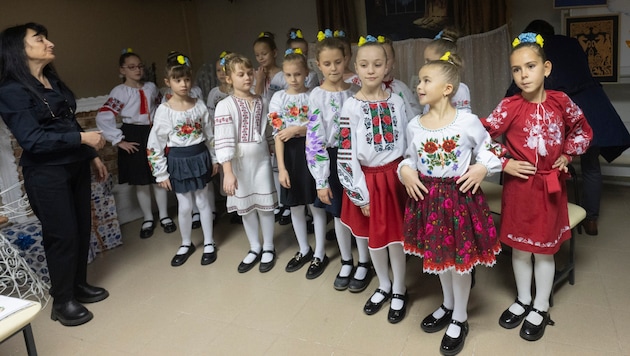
447	220
373	124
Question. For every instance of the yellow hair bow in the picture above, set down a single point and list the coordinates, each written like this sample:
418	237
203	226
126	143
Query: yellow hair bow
181	60
446	57
262	34
380	39
298	33
298	51
320	36
528	37
362	41
223	54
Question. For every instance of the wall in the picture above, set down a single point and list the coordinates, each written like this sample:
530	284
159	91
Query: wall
89	35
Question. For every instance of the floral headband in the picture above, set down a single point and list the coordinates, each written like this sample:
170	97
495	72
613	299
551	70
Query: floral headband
339	33
183	60
447	57
370	39
293	50
264	34
323	35
440	36
296	34
528	37
126	50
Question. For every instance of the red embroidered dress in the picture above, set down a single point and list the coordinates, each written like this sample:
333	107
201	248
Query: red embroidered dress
534	214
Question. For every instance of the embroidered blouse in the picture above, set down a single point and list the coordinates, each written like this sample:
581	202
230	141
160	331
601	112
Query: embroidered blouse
286	110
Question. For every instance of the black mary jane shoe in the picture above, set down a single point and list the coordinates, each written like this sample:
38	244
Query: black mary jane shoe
209	257
510	320
179	260
267	266
196	223
395	316
299	260
531	332
452	346
317	267
70	313
85	293
245	267
168	225
359	285
342	283
372	308
431	324
146	232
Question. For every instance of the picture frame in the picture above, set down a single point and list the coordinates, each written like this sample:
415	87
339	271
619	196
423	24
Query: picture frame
564	4
599	37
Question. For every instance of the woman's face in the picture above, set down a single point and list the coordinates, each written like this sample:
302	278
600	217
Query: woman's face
38	48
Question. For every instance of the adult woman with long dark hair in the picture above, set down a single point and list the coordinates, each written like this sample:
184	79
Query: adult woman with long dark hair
39	109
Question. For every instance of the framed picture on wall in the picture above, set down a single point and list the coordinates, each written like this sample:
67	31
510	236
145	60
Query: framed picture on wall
561	4
599	37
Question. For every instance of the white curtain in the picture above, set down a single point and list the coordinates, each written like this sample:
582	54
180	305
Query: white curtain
486	65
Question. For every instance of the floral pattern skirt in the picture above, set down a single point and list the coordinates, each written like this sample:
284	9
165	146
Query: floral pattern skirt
450	229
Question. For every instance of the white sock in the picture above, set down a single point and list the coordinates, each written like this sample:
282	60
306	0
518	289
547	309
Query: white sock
319	224
161	200
298	218
522	266
143	193
461	291
267	222
364	256
250	224
398	262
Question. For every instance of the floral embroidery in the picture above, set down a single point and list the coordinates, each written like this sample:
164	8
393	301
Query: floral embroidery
291	115
346	141
153	159
188	128
435	154
275	120
315	149
380	124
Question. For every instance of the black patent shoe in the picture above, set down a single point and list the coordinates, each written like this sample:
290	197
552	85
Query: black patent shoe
267	266
341	283
196	223
317	267
395	316
510	320
452	346
179	260
531	332
372	308
244	267
209	257
431	324
70	313
85	293
146	232
298	261
359	285
168	225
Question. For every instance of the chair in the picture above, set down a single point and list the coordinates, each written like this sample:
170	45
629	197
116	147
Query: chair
20	321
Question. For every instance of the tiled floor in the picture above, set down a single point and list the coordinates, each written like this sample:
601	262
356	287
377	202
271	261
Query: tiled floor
155	309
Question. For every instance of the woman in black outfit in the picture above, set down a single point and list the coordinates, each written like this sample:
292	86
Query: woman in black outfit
39	108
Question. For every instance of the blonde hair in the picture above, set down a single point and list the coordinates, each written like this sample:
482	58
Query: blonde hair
450	69
232	59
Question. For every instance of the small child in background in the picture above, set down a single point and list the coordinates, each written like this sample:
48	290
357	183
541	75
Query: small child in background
322	142
542	129
296	40
446	41
373	124
288	115
348	75
182	125
447	219
398	87
134	102
243	140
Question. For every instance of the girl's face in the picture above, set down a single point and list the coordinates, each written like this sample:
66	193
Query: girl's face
371	65
295	74
529	72
241	78
433	86
220	73
180	86
38	47
132	69
391	59
265	56
332	64
430	54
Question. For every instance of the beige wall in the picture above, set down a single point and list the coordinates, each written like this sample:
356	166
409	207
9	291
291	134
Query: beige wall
90	34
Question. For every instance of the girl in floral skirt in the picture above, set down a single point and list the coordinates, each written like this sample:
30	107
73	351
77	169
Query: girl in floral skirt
447	220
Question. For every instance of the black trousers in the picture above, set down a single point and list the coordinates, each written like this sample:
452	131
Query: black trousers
60	197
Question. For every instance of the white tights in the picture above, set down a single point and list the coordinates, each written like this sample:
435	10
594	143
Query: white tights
344	239
143	193
251	223
185	203
381	260
298	219
544	270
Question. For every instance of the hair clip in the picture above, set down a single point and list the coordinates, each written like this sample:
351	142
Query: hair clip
446	57
293	50
183	60
325	34
370	39
339	33
296	34
439	35
222	62
528	37
126	50
223	54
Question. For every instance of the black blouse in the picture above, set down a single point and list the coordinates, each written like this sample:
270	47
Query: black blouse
45	126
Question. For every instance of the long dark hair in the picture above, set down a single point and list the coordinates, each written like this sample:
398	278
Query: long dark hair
13	61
